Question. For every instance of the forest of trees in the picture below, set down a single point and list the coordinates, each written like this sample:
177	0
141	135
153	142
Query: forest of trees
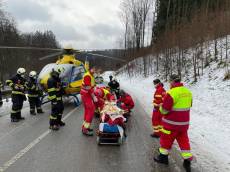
11	59
176	26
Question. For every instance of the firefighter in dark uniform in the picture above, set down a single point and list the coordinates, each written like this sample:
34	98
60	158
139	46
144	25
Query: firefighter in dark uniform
18	85
34	93
1	86
55	91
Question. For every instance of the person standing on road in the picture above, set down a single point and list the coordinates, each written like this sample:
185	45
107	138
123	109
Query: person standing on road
114	87
176	115
18	85
55	91
157	101
1	86
34	93
88	99
110	78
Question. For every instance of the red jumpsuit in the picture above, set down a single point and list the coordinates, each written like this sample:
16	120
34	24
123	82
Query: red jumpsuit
156	115
176	114
126	102
86	92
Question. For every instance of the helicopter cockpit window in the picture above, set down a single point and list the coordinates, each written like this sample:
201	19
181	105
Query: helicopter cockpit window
78	73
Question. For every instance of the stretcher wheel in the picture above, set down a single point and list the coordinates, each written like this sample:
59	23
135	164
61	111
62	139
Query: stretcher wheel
98	140
119	141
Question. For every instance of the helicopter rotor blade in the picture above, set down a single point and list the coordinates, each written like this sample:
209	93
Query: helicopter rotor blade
51	55
77	51
30	48
100	55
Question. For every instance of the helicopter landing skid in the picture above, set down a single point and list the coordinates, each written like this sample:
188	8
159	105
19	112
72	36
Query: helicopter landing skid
76	100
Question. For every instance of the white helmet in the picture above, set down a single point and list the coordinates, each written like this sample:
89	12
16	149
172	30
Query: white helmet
68	47
33	74
21	71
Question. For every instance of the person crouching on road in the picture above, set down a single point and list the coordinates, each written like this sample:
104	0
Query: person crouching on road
175	121
55	91
125	102
102	95
88	99
157	101
34	93
18	85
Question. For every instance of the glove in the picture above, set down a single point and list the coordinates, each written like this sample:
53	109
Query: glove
16	87
95	100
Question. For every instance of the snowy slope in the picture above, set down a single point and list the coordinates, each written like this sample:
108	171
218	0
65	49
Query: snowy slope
210	116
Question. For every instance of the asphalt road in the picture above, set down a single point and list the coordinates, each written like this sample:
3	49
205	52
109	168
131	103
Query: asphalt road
29	146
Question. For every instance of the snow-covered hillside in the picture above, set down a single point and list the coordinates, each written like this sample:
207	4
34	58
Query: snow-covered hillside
210	116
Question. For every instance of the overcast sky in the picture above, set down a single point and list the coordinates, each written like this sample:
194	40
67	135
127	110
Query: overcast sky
86	24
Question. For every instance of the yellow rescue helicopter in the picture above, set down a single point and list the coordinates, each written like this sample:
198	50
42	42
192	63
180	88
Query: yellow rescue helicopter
72	70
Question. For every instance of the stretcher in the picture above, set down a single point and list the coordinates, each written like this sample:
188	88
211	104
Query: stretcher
111	126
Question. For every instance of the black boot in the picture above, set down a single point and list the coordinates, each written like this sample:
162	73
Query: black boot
40	111
163	159
32	112
61	123
86	132
19	116
54	127
154	135
187	165
90	129
14	120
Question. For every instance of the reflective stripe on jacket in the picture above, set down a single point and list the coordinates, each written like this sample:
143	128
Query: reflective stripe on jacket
33	90
18	85
55	89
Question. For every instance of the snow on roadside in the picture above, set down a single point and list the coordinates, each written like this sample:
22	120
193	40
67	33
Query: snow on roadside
210	116
6	107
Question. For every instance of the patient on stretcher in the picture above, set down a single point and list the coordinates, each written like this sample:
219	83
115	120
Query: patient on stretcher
113	115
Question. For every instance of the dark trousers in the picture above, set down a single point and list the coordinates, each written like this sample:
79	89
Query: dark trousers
35	103
56	112
17	105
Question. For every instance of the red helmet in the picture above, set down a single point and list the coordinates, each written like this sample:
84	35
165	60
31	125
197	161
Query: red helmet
98	92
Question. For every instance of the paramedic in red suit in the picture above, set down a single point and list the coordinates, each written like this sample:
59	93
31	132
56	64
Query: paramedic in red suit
157	101
175	121
88	99
125	101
